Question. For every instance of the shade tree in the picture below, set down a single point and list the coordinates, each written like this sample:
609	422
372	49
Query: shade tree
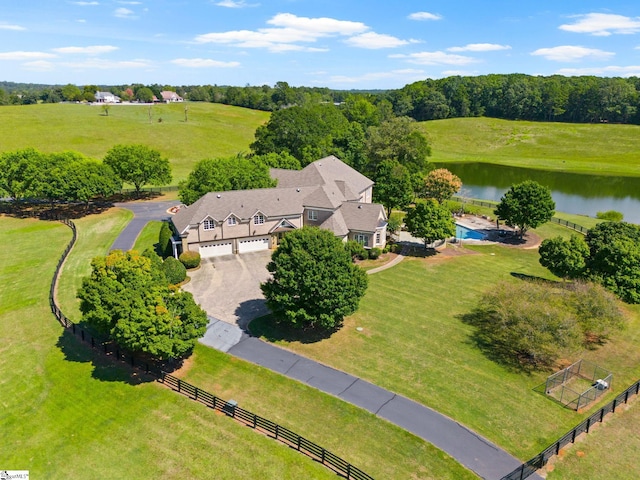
430	221
526	205
138	165
125	299
314	283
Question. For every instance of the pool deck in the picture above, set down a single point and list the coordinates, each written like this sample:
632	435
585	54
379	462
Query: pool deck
485	226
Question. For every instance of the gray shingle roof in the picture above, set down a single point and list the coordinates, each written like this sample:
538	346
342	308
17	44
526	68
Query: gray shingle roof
363	217
326	171
272	202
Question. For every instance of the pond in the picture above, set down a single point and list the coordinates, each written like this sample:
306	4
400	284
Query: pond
572	192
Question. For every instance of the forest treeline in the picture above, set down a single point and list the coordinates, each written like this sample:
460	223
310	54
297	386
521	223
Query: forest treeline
585	99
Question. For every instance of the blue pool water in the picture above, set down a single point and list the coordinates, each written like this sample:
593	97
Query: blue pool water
464	233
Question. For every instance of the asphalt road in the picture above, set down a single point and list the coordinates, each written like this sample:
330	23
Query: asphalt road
143	212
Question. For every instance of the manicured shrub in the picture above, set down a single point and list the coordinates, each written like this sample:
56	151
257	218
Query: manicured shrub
374	253
174	270
356	250
190	259
164	240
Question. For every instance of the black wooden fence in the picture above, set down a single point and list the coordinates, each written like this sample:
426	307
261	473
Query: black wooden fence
156	369
257	422
540	460
559	221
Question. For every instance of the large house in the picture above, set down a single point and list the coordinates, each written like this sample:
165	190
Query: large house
170	97
106	97
326	193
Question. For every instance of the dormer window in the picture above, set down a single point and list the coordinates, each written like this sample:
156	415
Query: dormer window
258	219
312	215
208	224
231	221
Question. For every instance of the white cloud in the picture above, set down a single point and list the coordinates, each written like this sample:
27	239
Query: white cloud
100	64
236	4
85	4
321	26
424	16
25	55
39	65
91	50
479	47
6	26
203	63
603	24
123	13
375	41
612	70
436	58
289	31
572	53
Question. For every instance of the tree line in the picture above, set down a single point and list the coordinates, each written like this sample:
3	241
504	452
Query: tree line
29	174
584	99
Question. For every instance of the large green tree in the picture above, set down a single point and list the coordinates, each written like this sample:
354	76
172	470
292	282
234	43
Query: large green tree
393	186
526	205
308	133
614	258
314	283
222	174
139	165
564	258
400	139
123	298
20	171
430	221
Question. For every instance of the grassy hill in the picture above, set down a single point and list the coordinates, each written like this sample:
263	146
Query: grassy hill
212	130
579	148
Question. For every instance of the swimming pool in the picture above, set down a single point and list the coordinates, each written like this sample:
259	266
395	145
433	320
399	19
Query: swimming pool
464	233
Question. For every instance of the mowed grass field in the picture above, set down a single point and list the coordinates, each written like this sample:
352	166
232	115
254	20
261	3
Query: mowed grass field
372	444
414	342
600	149
67	414
212	130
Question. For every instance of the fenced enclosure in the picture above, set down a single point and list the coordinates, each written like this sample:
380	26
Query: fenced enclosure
579	384
540	460
156	369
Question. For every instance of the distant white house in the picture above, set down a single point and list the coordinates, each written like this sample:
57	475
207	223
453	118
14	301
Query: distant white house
106	97
170	97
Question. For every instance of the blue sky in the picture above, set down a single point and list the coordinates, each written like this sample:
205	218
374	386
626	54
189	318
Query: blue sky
340	44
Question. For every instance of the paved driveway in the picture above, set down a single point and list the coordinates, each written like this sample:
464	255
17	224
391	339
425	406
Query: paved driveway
228	287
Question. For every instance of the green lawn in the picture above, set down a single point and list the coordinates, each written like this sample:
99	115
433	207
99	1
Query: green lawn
148	237
609	451
212	130
65	414
581	148
414	342
370	443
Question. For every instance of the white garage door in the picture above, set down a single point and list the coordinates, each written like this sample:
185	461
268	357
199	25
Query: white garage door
253	244
215	249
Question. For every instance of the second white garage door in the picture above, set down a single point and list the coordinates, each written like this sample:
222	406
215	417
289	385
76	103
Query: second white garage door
215	249
253	244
